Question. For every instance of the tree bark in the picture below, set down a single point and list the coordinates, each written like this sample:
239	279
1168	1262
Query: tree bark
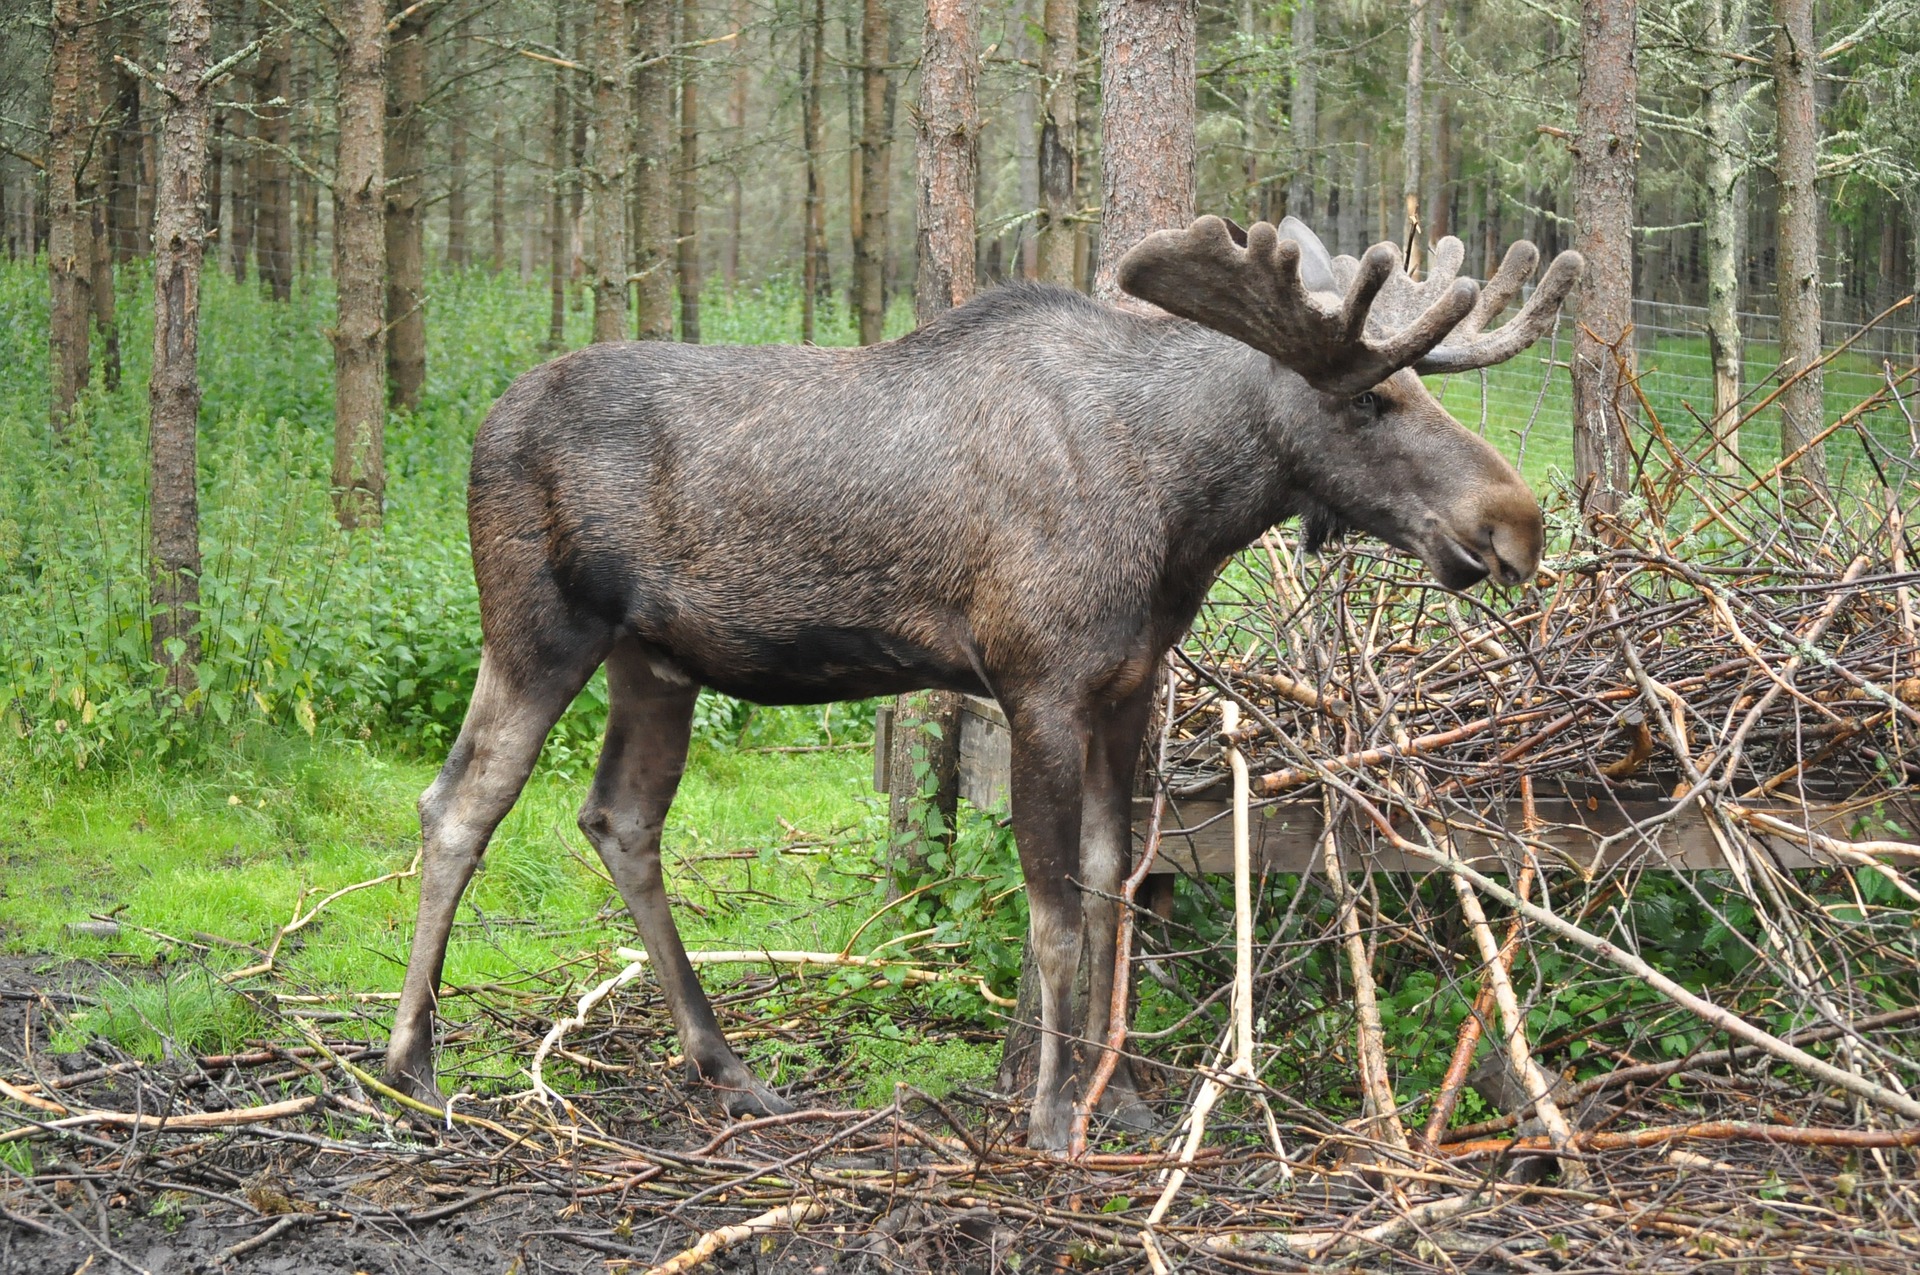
272	184
1723	120
876	168
687	251
949	134
70	223
656	142
1146	126
173	392
558	166
457	256
1413	138
405	197
813	248
1059	142
1605	155
1797	145
1303	114
359	264
608	156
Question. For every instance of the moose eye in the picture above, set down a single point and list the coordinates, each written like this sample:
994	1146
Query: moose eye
1367	402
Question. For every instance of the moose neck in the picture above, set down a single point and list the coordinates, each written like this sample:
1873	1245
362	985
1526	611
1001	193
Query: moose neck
1210	425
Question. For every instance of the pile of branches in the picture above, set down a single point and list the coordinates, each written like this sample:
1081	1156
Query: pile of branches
1718	679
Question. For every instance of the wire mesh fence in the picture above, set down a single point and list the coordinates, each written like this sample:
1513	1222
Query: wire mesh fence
1526	406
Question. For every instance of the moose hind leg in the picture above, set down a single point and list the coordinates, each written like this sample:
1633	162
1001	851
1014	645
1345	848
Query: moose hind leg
649	719
507	721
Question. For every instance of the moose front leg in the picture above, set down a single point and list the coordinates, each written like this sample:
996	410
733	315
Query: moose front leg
1106	852
1049	773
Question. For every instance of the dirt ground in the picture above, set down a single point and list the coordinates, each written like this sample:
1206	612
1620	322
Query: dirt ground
640	1167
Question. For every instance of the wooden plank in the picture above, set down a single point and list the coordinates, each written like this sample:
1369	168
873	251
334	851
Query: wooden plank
1286	834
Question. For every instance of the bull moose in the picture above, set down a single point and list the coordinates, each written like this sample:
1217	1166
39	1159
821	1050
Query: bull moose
1027	498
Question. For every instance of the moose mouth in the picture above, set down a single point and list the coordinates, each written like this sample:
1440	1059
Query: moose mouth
1458	567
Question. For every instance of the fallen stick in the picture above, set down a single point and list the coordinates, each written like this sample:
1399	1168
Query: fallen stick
184	1122
787	1215
1214	1086
1707	1131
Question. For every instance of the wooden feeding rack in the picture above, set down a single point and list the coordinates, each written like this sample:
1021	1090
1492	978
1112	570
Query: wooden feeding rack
1575	821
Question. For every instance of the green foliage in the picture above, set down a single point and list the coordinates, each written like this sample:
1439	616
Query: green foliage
172	1016
302	628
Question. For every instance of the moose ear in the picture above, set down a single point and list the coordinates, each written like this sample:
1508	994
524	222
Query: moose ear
1316	263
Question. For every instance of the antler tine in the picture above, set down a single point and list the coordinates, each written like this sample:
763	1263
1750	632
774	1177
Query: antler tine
1515	269
1535	318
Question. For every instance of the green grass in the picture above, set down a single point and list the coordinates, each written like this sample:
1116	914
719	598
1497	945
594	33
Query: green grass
177	855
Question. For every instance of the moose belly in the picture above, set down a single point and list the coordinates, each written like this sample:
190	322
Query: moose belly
817	664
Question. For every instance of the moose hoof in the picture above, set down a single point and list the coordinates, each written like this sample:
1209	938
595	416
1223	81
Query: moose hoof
1050	1127
744	1096
408	1082
1128	1113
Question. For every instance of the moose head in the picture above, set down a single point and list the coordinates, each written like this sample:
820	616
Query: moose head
1381	453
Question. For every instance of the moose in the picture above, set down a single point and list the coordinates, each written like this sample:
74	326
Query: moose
1028	498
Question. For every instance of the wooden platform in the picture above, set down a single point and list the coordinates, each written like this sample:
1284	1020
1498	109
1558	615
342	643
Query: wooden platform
1286	834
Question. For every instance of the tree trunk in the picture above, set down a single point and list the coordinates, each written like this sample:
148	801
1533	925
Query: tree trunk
405	197
497	207
736	131
557	197
1303	115
70	229
173	392
360	264
1605	154
1797	144
306	191
876	168
1413	138
1146	126
457	257
1059	142
657	141
609	154
687	252
813	247
123	199
1723	120
242	170
273	219
949	134
104	314
1436	216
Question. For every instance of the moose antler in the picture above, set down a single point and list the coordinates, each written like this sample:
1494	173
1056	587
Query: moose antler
1343	325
